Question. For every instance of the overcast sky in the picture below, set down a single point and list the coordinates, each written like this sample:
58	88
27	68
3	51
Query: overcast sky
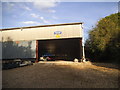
20	14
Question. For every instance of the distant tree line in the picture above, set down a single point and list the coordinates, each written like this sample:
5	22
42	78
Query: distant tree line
103	44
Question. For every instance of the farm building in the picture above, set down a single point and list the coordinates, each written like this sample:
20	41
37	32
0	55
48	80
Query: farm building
63	41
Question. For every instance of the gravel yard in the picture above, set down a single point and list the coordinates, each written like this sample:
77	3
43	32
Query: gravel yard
61	74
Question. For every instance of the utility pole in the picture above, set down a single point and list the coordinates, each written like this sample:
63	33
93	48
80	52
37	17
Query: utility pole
83	49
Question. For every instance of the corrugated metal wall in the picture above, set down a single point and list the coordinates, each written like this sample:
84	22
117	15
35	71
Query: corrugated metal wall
0	45
0	50
19	49
0	36
41	33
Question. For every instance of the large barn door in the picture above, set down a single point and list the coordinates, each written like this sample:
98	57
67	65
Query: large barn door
62	49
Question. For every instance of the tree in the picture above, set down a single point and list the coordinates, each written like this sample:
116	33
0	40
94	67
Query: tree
104	40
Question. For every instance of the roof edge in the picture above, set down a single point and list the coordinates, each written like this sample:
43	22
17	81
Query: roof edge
41	26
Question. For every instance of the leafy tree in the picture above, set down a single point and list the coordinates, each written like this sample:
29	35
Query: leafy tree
104	40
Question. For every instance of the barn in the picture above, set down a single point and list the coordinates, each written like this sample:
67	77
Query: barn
63	41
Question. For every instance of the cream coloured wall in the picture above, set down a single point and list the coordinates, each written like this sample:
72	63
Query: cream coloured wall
41	33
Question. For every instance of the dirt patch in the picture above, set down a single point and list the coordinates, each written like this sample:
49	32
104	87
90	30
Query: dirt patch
61	74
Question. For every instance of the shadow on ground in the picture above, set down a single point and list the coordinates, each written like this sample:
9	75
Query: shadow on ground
107	65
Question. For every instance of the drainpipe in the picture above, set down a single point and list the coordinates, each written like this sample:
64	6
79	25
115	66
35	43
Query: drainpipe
83	50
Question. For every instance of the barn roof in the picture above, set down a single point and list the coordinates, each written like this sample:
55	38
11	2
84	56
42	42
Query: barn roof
41	26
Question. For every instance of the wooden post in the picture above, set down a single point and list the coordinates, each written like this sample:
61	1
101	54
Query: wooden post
37	56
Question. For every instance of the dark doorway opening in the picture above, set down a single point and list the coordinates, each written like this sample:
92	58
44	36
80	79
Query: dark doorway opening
61	49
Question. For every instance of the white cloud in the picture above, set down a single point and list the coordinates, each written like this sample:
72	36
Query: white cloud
9	6
54	17
39	17
51	11
34	15
43	5
24	6
30	22
27	8
43	19
46	5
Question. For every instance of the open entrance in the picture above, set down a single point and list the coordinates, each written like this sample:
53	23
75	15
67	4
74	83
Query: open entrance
60	49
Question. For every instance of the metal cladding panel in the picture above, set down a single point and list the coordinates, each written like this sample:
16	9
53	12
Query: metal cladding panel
0	36
0	45
0	50
18	49
42	33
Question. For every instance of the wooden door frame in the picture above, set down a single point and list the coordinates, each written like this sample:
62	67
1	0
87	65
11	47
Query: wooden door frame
37	56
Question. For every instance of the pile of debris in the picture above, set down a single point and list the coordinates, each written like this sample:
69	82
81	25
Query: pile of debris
9	64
